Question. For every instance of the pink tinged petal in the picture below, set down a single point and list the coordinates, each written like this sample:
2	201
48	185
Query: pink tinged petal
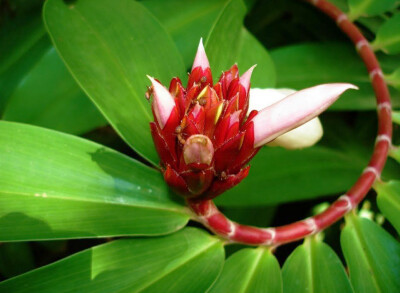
163	102
295	110
244	80
199	150
303	136
201	59
234	118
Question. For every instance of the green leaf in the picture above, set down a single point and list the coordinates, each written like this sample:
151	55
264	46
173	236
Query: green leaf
110	47
341	4
314	267
369	7
54	186
23	42
222	42
393	79
194	20
261	216
389	201
55	101
395	153
372	256
251	52
396	116
387	38
305	65
250	270
278	175
372	23
187	261
15	258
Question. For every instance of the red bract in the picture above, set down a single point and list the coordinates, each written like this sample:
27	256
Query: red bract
203	134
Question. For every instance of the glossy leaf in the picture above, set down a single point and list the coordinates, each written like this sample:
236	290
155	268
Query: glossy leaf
305	65
369	7
387	37
341	4
251	52
395	153
372	23
54	185
396	117
187	261
393	79
221	44
372	256
23	42
249	271
389	201
49	97
110	47
314	267
261	216
194	20
278	175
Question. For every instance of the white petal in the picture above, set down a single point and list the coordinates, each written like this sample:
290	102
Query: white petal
303	136
295	110
262	98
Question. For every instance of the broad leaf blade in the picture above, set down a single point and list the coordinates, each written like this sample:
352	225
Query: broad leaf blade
186	261
278	175
248	271
372	256
122	43
54	185
222	42
389	201
387	37
314	267
55	101
396	114
395	153
194	20
251	52
305	65
23	42
369	7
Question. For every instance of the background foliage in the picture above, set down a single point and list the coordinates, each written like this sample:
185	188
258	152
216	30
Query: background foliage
79	69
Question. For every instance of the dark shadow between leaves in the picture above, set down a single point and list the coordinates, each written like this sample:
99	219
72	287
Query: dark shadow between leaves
33	229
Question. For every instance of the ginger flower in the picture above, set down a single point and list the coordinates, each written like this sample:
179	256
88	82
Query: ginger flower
205	134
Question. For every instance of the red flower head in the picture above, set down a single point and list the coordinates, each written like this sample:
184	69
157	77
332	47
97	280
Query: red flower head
204	135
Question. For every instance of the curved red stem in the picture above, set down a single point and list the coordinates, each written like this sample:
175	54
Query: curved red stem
211	217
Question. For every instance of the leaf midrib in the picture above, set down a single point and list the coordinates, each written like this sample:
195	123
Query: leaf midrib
251	271
176	210
364	253
155	280
114	59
